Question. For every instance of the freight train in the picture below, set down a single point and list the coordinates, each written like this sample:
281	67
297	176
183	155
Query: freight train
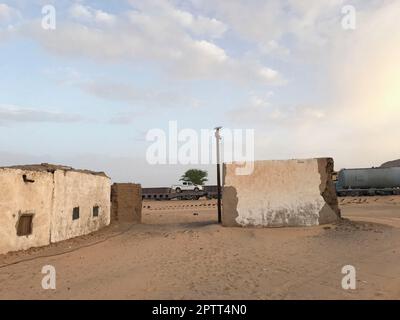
368	182
163	193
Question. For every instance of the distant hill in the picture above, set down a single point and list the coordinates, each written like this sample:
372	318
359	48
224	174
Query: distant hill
394	163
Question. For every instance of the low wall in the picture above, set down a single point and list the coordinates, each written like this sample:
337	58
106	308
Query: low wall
126	202
280	193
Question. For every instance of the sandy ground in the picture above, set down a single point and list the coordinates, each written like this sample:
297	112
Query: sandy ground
179	252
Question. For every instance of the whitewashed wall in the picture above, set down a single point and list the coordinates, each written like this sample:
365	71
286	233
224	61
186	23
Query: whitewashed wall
18	197
74	189
280	193
51	199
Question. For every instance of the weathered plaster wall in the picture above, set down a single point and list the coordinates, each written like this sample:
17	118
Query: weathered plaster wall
18	197
74	189
280	193
50	196
126	202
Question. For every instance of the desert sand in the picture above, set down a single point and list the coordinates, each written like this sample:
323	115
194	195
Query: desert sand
180	252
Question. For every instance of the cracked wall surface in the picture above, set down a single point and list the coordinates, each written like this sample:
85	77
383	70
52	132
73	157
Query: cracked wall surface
49	194
278	193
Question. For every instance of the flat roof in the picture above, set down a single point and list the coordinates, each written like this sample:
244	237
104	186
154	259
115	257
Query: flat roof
47	167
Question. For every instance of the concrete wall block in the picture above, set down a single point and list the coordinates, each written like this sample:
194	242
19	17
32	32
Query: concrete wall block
280	193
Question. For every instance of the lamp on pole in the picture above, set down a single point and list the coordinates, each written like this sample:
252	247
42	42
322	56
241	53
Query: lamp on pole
218	138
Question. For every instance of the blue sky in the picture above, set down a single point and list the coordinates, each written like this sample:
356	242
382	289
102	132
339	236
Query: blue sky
86	93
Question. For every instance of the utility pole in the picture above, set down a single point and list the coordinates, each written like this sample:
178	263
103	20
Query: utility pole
218	138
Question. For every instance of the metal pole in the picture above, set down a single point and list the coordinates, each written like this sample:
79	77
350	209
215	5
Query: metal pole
218	138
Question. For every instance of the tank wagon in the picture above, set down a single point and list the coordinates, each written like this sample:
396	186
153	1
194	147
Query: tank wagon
368	182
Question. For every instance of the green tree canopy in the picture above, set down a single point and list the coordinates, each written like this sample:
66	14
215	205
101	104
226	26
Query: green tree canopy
195	176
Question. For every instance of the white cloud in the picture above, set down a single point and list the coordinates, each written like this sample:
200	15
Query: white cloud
211	51
355	74
86	13
15	114
104	17
9	19
259	112
136	96
7	12
270	25
208	26
180	43
79	11
125	118
199	25
120	91
273	47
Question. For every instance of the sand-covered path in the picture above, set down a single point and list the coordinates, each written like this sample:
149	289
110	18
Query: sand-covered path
179	252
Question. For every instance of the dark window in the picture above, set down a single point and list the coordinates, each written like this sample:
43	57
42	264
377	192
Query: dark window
96	210
25	178
75	213
24	227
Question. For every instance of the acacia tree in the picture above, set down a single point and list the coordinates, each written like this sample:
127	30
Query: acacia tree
195	176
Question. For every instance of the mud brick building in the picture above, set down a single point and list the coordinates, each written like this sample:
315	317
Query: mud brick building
43	204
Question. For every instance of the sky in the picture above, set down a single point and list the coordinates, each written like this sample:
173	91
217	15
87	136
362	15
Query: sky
87	93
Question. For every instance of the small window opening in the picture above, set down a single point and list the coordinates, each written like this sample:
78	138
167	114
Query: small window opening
75	213
24	227
96	210
25	178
